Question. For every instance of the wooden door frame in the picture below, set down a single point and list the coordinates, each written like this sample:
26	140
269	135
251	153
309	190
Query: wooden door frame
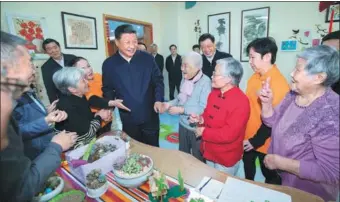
122	19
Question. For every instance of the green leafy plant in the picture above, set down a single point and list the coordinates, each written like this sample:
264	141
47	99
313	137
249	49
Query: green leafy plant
161	185
196	200
180	180
89	149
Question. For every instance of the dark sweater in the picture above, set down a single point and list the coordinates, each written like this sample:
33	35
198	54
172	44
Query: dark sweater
139	83
80	118
208	67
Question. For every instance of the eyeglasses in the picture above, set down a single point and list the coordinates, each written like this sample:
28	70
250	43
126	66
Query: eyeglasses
14	86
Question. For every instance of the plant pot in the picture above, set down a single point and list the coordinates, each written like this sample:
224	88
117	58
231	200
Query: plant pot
96	193
49	196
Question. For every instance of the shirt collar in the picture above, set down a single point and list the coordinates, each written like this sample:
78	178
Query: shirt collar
269	73
125	58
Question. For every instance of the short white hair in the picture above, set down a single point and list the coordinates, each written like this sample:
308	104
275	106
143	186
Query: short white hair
231	68
194	59
322	59
68	77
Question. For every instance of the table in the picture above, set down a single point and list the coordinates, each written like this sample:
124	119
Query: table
170	161
193	170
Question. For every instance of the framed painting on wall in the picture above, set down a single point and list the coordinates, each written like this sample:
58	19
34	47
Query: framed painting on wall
32	29
336	17
254	24
219	27
80	32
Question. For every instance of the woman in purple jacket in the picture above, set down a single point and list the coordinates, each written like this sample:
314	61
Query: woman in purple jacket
305	126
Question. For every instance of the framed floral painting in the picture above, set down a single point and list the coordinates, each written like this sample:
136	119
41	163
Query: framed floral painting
32	29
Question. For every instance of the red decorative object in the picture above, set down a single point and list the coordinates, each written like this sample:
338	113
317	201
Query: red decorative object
30	31
323	5
173	137
331	22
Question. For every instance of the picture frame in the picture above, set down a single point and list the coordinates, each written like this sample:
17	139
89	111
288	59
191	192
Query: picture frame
254	24
336	17
80	32
289	45
31	28
219	27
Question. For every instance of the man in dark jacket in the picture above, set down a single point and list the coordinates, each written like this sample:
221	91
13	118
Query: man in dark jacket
158	57
134	77
56	61
21	178
333	39
210	53
173	65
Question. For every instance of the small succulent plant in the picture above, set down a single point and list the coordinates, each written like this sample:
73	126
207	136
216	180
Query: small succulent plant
118	165
95	179
99	150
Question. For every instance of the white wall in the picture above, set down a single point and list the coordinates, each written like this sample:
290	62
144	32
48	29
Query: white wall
284	16
173	24
143	11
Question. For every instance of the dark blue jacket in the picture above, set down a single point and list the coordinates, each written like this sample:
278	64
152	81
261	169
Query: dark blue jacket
35	132
139	83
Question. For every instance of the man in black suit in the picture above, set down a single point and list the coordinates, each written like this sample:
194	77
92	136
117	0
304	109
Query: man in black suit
210	53
333	39
57	61
158	57
173	65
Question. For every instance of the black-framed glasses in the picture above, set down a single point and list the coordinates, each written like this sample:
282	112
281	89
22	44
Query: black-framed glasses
14	86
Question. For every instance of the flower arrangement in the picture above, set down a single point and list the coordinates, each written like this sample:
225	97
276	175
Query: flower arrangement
32	32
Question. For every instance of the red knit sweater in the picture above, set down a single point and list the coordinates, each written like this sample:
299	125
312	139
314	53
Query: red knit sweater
225	120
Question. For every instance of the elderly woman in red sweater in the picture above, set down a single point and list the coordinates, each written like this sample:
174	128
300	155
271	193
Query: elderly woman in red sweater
223	122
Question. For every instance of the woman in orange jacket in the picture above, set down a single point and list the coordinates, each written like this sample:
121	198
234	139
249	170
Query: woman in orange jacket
262	56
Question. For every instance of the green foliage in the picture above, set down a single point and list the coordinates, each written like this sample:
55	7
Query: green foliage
89	149
180	181
131	165
197	200
161	185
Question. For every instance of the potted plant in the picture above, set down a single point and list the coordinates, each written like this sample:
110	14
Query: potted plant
96	183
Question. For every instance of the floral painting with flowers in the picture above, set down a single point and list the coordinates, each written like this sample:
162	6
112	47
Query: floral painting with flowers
32	29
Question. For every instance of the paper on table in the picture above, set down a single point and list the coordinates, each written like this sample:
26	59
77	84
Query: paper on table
212	189
235	190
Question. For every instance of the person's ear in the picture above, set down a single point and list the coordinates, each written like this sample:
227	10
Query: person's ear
72	90
267	57
320	78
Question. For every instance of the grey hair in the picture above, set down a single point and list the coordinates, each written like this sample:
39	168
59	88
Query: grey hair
9	45
153	45
68	77
194	58
322	59
231	68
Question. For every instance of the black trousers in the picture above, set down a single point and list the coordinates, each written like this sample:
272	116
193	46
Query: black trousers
249	158
147	133
188	143
173	83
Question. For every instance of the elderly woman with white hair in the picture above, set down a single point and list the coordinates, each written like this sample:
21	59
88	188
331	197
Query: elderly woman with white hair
223	123
194	90
73	85
305	125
